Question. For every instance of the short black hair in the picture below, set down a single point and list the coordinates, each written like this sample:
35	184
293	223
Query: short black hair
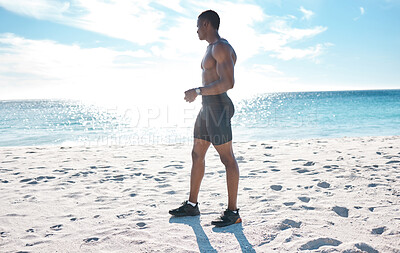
211	16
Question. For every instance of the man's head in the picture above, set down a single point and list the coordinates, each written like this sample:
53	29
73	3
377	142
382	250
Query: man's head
206	22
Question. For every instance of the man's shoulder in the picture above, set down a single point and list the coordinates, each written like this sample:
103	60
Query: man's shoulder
222	42
221	46
222	49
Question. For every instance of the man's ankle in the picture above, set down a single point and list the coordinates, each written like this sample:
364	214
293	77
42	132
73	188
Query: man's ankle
191	203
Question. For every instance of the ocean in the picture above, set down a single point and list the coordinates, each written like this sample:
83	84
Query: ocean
272	116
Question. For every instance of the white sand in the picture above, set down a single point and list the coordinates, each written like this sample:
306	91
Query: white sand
325	195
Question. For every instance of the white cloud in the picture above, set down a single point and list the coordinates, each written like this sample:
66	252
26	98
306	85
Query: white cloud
289	34
132	20
266	69
138	21
278	42
57	70
40	9
362	12
307	13
171	63
287	53
174	5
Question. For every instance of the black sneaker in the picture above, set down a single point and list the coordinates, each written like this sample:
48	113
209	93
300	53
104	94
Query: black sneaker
227	219
185	210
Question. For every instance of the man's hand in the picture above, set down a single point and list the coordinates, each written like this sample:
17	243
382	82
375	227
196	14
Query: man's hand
190	95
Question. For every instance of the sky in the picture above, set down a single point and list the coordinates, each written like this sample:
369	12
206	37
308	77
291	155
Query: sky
148	50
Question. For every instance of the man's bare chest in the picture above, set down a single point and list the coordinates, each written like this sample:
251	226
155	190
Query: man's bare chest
208	61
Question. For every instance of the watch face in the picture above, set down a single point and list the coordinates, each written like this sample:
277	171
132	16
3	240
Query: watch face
198	91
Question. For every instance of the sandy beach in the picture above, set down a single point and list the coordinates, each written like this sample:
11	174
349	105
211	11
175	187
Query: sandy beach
316	195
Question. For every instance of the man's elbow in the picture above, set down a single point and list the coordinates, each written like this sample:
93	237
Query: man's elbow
231	84
226	85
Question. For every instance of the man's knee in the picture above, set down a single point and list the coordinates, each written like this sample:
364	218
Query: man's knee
228	160
197	156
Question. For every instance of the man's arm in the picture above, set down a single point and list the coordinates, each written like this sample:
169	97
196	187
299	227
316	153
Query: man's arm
225	69
225	64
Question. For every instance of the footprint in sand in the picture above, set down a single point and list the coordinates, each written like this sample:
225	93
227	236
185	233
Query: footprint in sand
124	215
289	203
316	244
63	170
240	159
56	227
141	161
163	185
92	239
323	185
308	207
304	199
365	247
33	244
167	173
160	179
289	224
378	231
300	170
348	187
177	166
141	225
276	187
341	211
118	178
25	180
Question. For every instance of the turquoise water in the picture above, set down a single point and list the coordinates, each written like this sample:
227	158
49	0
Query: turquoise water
320	114
293	115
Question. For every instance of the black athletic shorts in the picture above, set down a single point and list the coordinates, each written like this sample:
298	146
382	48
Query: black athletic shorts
213	122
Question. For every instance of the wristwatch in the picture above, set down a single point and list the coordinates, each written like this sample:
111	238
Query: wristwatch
198	91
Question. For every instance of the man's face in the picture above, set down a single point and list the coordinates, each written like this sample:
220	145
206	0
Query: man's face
200	29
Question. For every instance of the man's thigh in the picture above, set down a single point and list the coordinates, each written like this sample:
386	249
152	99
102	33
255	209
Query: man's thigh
225	150
200	147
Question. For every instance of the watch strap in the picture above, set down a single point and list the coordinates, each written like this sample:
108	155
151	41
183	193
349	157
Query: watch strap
198	91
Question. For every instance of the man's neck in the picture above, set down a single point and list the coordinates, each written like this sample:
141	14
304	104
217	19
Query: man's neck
213	38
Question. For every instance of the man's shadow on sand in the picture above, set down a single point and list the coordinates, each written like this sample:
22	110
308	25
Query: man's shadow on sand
202	240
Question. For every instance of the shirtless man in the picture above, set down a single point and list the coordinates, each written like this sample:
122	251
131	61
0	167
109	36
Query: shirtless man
213	123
